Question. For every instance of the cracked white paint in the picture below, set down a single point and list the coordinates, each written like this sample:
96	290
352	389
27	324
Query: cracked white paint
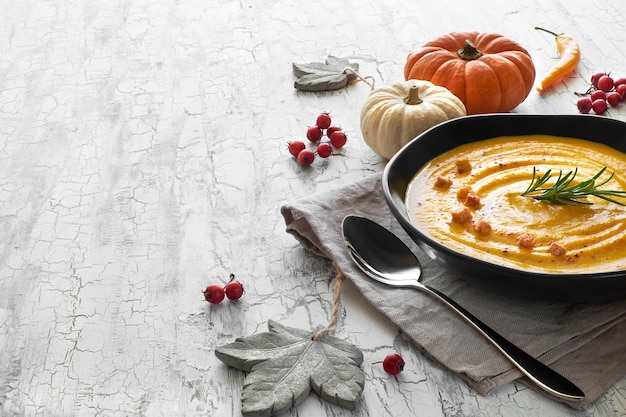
143	156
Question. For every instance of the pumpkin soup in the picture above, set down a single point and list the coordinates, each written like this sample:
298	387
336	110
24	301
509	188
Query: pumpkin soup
471	200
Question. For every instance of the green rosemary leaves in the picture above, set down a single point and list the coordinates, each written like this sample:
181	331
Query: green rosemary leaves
563	192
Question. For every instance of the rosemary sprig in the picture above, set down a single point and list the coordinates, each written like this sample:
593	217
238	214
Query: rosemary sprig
562	192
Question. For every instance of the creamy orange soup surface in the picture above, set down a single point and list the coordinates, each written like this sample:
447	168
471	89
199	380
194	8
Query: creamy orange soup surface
469	199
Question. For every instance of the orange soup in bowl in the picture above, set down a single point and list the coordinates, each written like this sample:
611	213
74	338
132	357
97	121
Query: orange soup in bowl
471	199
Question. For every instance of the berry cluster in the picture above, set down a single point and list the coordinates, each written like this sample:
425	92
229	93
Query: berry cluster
336	139
603	91
214	293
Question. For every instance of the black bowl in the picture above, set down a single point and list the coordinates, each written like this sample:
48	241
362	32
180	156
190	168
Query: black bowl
575	288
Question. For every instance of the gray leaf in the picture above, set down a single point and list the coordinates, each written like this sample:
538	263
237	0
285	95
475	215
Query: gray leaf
330	75
285	364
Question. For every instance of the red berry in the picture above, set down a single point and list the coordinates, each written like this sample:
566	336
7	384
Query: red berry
614	98
393	364
332	130
314	134
599	106
234	290
595	77
605	83
338	139
214	294
619	81
584	105
306	157
324	150
598	95
295	147
323	121
621	89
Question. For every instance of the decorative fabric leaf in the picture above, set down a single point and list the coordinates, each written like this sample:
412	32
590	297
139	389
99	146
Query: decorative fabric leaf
285	363
330	75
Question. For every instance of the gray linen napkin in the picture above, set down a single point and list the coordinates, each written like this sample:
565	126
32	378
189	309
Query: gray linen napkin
584	342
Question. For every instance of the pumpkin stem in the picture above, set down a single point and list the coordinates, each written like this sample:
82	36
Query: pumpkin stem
413	98
469	51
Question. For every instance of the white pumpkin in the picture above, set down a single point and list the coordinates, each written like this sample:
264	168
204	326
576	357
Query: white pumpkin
395	114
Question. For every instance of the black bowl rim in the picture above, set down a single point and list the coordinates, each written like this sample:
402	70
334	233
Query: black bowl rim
403	217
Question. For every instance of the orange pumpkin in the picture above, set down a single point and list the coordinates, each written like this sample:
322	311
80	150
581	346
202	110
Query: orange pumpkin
487	71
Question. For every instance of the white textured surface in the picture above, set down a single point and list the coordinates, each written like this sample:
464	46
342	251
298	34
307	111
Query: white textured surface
143	156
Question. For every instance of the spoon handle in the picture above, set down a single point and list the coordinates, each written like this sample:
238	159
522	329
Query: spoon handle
542	375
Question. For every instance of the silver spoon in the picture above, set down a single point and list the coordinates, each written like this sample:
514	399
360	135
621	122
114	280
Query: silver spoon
382	256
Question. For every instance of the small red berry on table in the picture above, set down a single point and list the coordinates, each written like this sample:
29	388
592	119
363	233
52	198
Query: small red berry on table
599	106
605	83
595	77
214	294
619	82
324	150
234	290
598	95
323	121
584	105
314	134
614	98
331	130
295	147
393	364
338	139
306	157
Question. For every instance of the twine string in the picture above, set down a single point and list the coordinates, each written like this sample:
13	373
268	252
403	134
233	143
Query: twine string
368	79
336	303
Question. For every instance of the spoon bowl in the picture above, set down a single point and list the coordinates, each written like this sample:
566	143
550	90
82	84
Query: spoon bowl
382	256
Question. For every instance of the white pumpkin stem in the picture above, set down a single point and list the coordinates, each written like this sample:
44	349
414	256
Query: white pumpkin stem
413	98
